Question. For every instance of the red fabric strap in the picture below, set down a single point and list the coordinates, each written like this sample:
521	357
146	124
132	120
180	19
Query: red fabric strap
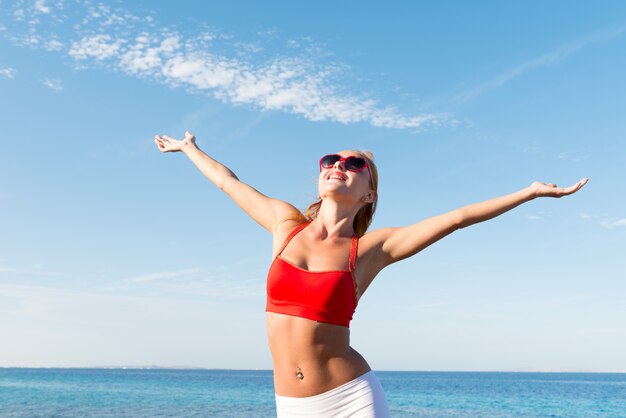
353	252
293	234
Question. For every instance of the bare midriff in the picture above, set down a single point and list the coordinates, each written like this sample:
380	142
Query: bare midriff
320	352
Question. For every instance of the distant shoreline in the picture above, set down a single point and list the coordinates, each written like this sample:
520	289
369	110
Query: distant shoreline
154	367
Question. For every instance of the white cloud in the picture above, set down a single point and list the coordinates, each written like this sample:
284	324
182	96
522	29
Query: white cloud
574	159
143	58
29	40
53	45
604	220
247	48
542	214
41	7
613	223
585	215
292	85
205	72
99	47
53	84
233	71
163	275
7	72
34	271
580	158
19	15
192	282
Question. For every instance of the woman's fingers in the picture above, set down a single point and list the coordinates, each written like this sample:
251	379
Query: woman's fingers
161	143
579	185
576	187
166	143
552	190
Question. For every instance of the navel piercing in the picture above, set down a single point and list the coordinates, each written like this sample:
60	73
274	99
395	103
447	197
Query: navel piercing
299	374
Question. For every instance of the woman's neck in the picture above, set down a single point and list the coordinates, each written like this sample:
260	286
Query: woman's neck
335	219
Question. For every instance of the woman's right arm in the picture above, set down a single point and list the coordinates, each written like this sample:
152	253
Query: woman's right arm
266	211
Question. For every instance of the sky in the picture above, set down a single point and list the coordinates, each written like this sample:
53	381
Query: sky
114	254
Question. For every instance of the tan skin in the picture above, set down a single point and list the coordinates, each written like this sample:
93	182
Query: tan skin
320	351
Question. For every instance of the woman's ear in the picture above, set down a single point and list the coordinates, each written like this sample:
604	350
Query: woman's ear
369	198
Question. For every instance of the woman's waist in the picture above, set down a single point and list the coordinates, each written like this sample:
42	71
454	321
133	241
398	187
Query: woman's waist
310	372
286	331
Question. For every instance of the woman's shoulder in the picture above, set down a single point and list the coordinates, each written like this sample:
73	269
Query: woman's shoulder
287	225
290	222
377	234
374	239
285	228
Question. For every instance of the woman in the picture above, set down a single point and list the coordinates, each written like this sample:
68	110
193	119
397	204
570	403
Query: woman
323	263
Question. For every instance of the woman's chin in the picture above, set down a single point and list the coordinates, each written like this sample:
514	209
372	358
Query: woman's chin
334	189
338	194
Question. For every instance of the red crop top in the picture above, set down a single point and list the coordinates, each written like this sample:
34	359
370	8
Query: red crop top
323	296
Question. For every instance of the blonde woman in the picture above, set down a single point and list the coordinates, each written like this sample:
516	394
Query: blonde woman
323	262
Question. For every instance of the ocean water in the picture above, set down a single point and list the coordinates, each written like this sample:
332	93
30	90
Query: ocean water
249	393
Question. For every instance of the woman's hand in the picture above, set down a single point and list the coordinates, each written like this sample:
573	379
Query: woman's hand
169	144
552	190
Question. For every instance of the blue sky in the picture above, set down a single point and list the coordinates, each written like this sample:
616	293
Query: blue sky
112	253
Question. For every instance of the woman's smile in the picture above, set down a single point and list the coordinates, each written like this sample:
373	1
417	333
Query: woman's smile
338	175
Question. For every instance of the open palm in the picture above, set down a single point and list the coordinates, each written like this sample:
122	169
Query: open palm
552	190
168	144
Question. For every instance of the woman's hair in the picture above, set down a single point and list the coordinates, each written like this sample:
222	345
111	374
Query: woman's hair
365	215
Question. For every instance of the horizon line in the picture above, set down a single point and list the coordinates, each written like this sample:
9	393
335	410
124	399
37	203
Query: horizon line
156	367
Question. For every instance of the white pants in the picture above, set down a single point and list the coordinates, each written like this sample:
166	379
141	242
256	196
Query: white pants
362	397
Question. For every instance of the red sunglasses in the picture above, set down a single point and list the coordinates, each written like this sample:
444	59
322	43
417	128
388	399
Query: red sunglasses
351	163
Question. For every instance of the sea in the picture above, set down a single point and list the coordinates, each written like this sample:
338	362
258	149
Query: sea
103	392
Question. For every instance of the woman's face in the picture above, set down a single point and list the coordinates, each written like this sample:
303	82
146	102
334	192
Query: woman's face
339	182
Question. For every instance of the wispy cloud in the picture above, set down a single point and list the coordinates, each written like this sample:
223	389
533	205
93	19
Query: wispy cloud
52	84
194	282
7	72
603	220
545	60
163	275
41	301
297	80
613	223
542	214
573	158
203	287
585	215
99	47
34	270
40	6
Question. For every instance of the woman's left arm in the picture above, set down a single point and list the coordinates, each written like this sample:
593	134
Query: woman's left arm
399	243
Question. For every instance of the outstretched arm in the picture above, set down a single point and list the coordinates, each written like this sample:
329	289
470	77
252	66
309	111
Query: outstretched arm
266	211
400	243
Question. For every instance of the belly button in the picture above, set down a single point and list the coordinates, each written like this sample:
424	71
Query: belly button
299	374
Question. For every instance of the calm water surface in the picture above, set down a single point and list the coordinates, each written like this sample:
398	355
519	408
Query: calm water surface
249	393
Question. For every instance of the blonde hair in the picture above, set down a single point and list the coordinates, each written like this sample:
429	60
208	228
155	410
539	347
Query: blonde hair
364	216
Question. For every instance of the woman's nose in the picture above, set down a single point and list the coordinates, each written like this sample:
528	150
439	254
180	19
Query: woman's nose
339	165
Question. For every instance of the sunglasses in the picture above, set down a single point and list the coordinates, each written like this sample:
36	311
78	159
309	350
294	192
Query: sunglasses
351	163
